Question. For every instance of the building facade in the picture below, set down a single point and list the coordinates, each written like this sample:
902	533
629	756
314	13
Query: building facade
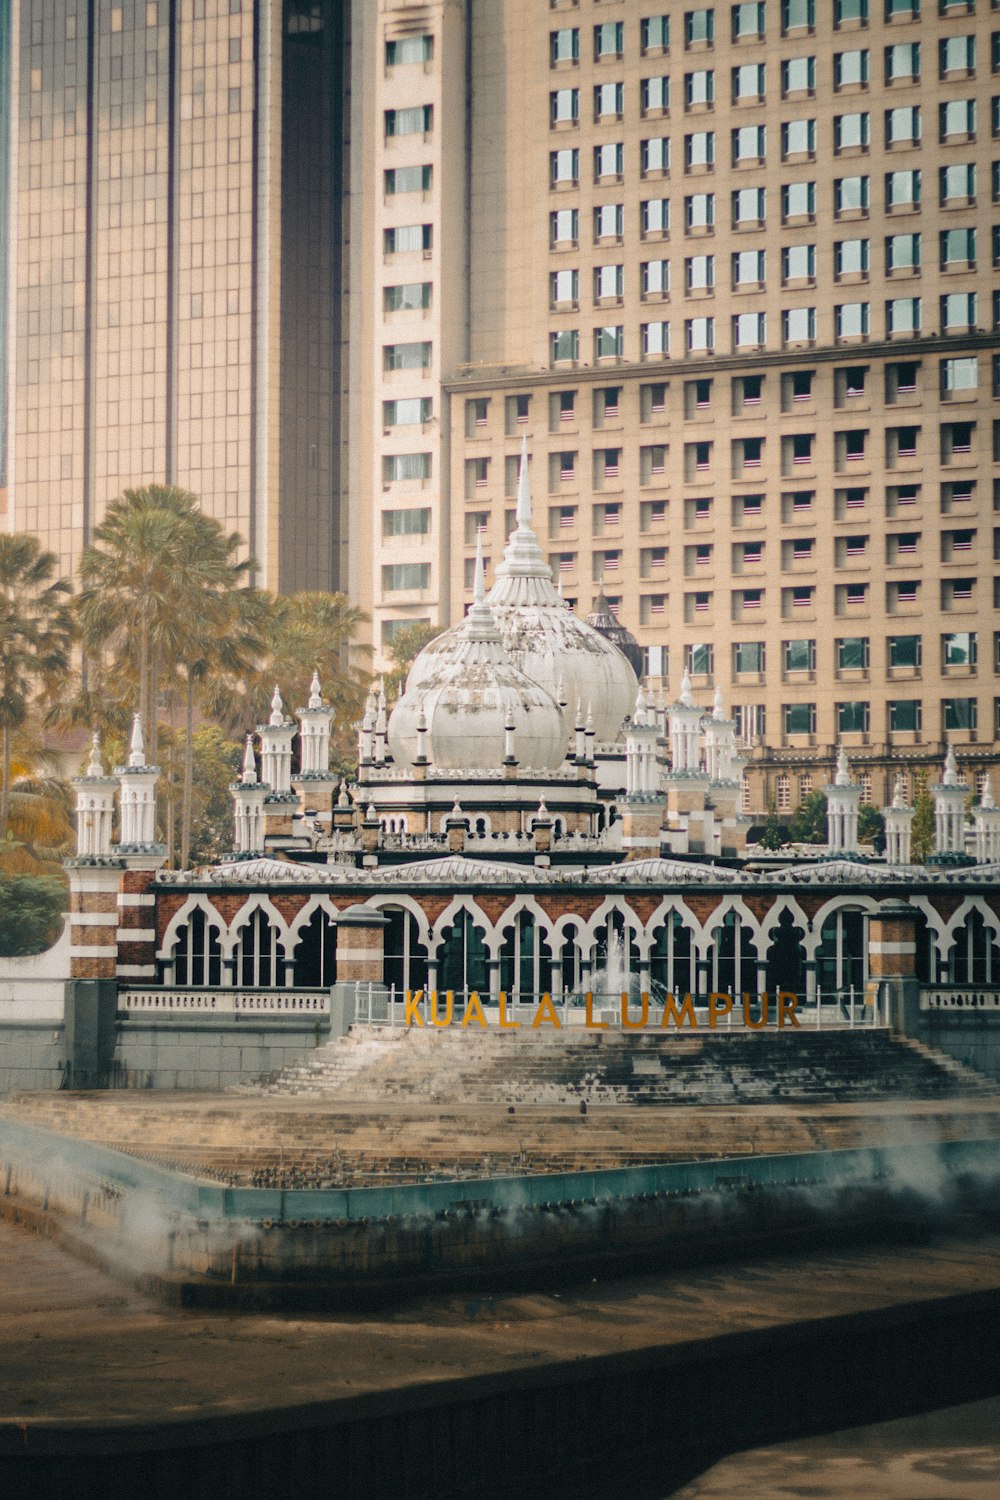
729	272
175	291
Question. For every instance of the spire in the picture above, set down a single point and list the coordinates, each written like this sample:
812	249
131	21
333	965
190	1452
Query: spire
843	776
561	692
685	693
137	755
950	777
315	696
718	711
640	705
277	709
898	796
479	576
249	777
456	809
342	798
523	512
94	766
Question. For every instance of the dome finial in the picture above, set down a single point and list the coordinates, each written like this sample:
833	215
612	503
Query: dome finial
718	710
685	693
137	756
94	766
898	794
277	708
249	777
523	512
479	575
843	776
950	777
315	696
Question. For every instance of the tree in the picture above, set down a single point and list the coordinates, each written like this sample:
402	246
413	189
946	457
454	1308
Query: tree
922	826
31	909
36	633
871	826
808	823
773	836
403	649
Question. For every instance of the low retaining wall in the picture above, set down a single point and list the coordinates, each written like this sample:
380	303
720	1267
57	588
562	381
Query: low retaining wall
32	1055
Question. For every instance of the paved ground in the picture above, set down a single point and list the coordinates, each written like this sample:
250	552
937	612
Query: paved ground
76	1346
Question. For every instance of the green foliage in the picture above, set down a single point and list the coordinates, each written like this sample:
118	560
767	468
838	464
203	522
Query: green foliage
808	823
31	908
405	646
871	826
216	767
922	826
773	836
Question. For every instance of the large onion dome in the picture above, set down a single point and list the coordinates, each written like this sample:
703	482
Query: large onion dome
470	704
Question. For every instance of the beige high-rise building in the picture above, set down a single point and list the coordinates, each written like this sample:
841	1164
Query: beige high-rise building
730	270
175	268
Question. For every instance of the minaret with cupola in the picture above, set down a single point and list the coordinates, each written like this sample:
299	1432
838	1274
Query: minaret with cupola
249	796
898	827
314	783
949	796
281	803
843	796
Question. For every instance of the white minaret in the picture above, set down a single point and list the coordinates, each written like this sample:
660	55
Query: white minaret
949	808
898	827
137	799
642	731
381	726
684	722
95	807
366	732
276	749
315	727
987	824
720	743
842	798
249	797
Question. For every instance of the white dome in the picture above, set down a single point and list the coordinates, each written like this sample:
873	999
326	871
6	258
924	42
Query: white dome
562	654
466	695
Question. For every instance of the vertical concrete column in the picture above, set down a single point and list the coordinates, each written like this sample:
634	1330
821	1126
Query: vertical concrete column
892	965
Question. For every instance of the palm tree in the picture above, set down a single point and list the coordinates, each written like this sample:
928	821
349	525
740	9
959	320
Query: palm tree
36	633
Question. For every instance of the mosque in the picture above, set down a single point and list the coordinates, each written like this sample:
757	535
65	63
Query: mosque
524	819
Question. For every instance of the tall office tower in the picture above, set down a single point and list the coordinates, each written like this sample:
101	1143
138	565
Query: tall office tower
730	269
176	281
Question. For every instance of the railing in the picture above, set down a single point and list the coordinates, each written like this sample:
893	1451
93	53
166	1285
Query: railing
966	998
222	1002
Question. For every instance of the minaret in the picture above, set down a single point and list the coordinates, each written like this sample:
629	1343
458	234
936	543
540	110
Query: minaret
281	803
684	721
142	856
725	774
249	796
842	798
137	782
95	807
314	783
898	827
95	874
644	802
949	808
987	823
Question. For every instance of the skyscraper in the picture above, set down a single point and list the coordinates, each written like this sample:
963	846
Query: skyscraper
729	268
175	292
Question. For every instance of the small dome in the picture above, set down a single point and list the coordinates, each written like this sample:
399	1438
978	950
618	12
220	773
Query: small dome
467	694
603	621
570	660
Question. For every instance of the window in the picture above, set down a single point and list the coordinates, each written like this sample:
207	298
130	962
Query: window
699	88
654	95
406	413
959	375
407	356
608	342
609	100
798	138
564	226
850	10
749	268
905	651
699	26
748	207
851	132
902	189
799	718
799	325
749	82
409	296
852	718
699	149
700	659
798	263
902	126
902	62
850	68
609	40
749	144
957	118
748	656
609	220
905	714
852	320
408	180
406	522
399	576
796	13
798	200
902	252
958	310
903	315
959	648
609	161
798	76
406	238
564	345
655	278
564	45
850	257
749	330
609	283
654	34
564	106
410	49
958	248
564	167
655	338
414	121
699	211
699	273
959	714
700	335
957	54
852	653
850	195
958	182
654	155
564	288
748	20
654	216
